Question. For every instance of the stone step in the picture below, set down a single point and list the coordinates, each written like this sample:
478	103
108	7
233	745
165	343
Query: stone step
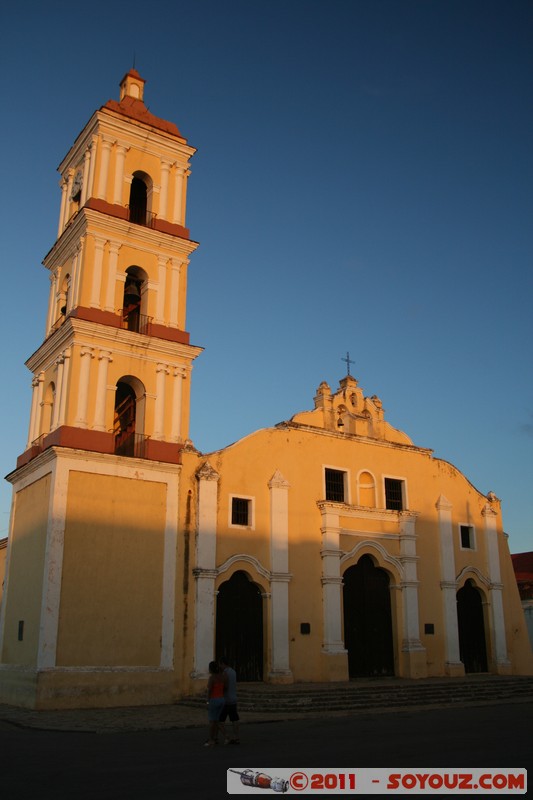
359	695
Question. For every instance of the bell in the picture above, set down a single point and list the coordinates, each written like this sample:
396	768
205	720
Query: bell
131	293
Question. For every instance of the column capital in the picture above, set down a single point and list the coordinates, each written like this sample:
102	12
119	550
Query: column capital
277	481
280	577
443	504
202	572
207	473
335	580
488	511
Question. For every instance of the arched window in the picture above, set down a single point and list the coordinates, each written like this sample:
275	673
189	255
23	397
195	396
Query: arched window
140	194
128	422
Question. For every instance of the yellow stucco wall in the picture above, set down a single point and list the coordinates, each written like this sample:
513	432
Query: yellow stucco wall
111	591
3	553
245	469
27	550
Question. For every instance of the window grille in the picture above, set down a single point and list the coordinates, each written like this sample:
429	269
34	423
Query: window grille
240	511
393	494
467	538
335	485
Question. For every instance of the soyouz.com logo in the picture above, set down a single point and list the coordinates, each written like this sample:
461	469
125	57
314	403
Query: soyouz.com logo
249	780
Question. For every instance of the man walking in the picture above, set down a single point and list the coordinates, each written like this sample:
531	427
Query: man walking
230	702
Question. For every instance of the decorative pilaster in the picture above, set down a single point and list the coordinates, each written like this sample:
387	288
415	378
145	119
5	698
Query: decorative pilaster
62	213
414	661
163	194
174	292
104	169
169	577
59	389
86	354
205	572
331	584
97	272
36	400
88	180
162	371
453	664
86	173
76	273
497	617
52	303
279	556
112	263
53	567
104	359
178	196
177	397
62	391
160	297
120	157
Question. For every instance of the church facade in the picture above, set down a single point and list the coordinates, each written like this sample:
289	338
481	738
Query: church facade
325	548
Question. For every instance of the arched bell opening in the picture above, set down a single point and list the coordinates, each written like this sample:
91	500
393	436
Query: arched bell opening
128	420
140	197
135	300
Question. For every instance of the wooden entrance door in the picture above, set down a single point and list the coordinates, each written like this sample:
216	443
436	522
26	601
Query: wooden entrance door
472	641
239	627
367	620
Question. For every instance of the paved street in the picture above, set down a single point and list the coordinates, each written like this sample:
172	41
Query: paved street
173	763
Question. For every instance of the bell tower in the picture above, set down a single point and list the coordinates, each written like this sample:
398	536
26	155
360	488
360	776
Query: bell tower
94	514
113	372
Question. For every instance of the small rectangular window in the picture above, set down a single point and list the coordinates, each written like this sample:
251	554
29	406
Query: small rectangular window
240	511
335	485
393	494
467	537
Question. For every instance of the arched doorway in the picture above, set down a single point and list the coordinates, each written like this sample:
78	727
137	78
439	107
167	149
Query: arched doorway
471	624
239	627
367	620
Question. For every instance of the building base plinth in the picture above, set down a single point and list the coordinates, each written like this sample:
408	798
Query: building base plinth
414	664
335	666
281	676
454	669
79	687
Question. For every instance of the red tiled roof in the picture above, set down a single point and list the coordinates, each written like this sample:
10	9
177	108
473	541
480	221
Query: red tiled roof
134	108
523	566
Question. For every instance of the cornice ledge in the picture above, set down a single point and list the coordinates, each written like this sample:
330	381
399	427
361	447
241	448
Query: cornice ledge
361	512
35	465
354	437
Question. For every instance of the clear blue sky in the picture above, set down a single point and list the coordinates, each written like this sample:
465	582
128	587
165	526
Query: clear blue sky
363	182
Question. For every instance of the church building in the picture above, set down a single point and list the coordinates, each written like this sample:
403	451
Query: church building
325	548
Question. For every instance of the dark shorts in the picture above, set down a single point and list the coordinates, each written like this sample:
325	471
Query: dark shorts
229	710
214	708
